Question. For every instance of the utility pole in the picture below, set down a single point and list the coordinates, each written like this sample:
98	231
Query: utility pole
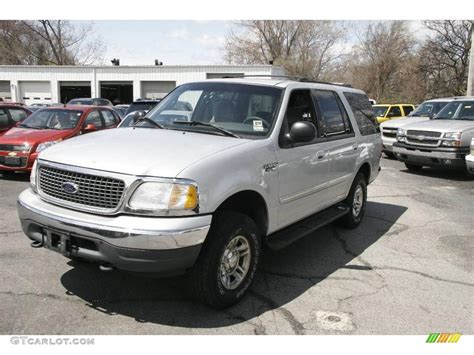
470	77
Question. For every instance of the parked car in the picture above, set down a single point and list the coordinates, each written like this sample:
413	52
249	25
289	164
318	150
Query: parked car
119	110
470	158
19	147
89	102
261	161
141	105
423	112
385	112
11	115
443	141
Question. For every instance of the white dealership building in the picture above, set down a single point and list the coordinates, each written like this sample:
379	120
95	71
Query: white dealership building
120	84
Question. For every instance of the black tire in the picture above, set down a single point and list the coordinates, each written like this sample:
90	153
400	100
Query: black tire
353	219
413	167
205	277
389	155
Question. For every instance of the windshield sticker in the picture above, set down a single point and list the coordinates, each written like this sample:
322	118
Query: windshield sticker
258	125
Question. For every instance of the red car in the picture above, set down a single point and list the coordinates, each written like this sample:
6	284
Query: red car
20	146
11	115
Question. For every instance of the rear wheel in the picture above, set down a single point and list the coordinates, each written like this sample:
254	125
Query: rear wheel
356	201
228	261
413	167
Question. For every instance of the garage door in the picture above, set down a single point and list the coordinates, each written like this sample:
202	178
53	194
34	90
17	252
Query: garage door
69	90
5	92
156	89
35	92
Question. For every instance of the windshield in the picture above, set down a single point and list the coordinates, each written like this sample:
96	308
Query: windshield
379	111
244	110
457	110
427	109
81	102
52	119
140	106
128	121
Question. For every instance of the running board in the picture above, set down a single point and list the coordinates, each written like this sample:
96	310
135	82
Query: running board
288	235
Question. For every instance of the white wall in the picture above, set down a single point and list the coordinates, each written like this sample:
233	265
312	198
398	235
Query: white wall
136	74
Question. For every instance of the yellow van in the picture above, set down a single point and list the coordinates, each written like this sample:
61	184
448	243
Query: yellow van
385	112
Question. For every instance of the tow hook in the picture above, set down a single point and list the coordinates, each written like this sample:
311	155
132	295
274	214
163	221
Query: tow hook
37	244
106	267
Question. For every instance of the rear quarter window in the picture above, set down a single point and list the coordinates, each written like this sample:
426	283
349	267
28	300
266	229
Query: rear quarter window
363	113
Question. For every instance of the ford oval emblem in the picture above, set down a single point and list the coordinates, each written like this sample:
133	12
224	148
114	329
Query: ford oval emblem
70	187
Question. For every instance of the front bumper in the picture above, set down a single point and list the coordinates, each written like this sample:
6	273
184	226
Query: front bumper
387	144
28	158
437	157
140	244
470	164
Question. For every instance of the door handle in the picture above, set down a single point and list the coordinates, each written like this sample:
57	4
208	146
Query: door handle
355	146
320	155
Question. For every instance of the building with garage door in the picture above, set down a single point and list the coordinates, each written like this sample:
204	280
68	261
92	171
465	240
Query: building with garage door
120	84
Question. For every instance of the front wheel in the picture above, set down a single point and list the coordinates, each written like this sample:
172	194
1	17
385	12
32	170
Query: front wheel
356	201
228	261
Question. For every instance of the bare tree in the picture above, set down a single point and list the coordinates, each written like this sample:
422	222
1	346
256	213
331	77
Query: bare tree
383	54
445	57
49	42
304	48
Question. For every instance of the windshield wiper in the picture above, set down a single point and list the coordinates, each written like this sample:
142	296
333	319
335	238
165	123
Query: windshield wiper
149	120
204	124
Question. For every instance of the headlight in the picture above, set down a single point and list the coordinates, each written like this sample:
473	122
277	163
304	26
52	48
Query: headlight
401	132
44	145
451	139
472	146
33	176
163	196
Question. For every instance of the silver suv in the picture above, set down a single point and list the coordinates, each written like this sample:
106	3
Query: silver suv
441	142
201	191
426	111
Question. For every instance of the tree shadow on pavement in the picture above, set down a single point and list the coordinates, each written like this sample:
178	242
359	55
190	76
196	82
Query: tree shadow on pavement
283	277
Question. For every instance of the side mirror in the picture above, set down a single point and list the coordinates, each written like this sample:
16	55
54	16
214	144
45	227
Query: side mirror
302	131
138	114
90	128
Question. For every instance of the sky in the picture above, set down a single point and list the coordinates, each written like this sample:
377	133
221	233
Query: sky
172	42
182	42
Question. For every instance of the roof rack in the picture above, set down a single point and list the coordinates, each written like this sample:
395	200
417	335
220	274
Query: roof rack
294	78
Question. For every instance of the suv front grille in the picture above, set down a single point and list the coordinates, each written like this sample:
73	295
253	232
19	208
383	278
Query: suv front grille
412	132
389	132
423	138
93	191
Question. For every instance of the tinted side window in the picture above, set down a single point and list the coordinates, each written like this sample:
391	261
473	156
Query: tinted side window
407	110
94	118
299	108
109	118
362	110
331	114
17	114
4	121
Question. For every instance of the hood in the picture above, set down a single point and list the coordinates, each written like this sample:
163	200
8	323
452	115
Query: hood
400	122
438	125
139	151
32	136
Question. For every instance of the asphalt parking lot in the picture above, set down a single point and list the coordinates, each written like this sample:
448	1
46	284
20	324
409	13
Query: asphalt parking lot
406	270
